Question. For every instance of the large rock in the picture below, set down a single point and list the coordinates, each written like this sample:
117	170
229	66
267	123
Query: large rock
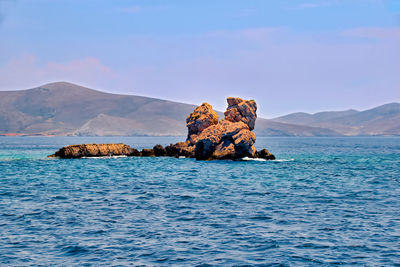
244	144
241	110
201	118
226	140
95	150
231	138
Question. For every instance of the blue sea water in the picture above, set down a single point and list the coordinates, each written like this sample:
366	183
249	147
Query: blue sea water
324	201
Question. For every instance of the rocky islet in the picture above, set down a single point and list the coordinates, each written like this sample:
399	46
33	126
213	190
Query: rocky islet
208	138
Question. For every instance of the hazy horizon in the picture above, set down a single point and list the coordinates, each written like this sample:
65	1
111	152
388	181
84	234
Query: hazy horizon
290	56
224	100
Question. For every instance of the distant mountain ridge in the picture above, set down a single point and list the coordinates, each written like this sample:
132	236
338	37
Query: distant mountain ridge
67	109
382	120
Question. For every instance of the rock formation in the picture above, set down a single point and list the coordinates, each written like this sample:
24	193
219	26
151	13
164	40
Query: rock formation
265	154
201	118
230	138
159	151
95	150
147	152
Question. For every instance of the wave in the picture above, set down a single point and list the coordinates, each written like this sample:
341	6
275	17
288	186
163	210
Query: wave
106	157
258	159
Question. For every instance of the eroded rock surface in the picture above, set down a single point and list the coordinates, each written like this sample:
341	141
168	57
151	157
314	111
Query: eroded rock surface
231	138
241	110
95	150
201	118
225	140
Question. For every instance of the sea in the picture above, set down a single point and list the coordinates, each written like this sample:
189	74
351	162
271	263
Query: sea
324	201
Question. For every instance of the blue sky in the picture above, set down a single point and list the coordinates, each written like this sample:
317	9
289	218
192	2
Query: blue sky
289	55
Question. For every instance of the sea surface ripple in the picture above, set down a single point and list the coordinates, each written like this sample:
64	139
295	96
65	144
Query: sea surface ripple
324	201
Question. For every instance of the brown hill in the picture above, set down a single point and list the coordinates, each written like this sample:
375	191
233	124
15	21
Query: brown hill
67	109
382	120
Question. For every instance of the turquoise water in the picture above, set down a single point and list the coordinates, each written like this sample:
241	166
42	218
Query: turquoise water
325	201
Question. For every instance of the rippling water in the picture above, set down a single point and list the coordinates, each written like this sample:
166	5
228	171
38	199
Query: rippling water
324	201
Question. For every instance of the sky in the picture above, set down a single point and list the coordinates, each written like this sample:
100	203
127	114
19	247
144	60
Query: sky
288	55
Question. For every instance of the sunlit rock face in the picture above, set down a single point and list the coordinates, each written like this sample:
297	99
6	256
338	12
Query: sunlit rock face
201	118
95	150
231	138
241	110
225	140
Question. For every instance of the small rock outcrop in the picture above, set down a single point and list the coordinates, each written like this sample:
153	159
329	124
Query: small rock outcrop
147	152
265	154
180	149
208	138
95	150
159	151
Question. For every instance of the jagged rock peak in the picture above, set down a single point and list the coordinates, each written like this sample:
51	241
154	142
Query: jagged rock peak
201	118
241	110
231	138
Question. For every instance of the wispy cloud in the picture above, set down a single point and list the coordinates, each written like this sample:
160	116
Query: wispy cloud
25	71
374	33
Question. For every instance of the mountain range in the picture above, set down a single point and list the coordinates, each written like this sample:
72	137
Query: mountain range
63	108
382	120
